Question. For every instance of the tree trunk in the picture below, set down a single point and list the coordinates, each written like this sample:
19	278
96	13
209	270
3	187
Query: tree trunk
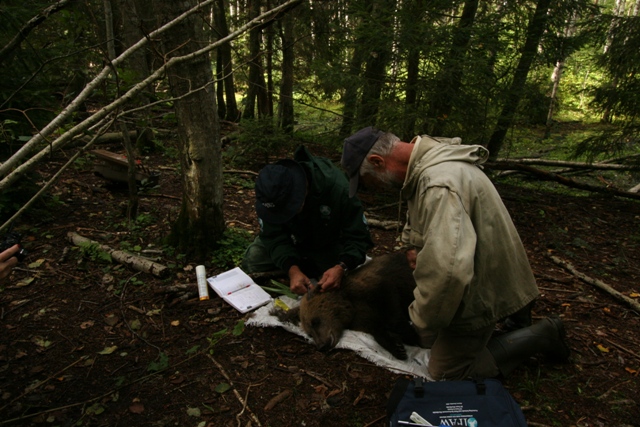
350	97
132	206
534	34
557	76
352	81
450	80
200	223
269	48
379	54
286	89
257	86
225	63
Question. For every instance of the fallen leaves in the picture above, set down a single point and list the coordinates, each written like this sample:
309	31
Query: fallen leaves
108	350
136	407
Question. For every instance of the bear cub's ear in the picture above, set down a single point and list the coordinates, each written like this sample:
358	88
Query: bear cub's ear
290	316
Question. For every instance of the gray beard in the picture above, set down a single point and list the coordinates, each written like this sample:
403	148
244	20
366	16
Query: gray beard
389	181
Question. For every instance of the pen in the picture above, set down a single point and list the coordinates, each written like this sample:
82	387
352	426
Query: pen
409	423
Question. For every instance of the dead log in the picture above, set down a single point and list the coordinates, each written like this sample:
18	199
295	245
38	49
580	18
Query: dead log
597	283
564	163
386	225
130	260
560	179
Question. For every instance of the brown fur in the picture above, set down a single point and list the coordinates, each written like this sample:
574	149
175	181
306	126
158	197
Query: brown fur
373	299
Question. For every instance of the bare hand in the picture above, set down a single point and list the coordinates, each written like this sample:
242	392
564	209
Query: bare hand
7	261
298	282
331	278
412	256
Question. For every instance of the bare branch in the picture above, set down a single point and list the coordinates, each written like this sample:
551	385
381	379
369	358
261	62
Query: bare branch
13	161
59	142
30	25
563	163
560	179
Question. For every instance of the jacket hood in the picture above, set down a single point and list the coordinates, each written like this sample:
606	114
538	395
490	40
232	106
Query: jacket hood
430	151
321	173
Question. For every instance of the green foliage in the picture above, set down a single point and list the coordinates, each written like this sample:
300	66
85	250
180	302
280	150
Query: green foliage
257	141
214	339
279	288
238	329
231	248
93	252
160	364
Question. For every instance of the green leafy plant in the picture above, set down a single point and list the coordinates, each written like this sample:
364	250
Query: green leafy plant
258	139
161	363
279	288
214	339
231	248
94	252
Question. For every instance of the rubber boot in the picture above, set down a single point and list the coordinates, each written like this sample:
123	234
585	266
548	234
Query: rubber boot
545	337
520	319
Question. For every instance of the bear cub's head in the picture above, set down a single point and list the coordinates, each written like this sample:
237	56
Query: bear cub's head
324	317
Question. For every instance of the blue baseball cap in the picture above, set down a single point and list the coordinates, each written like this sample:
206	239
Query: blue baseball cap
280	191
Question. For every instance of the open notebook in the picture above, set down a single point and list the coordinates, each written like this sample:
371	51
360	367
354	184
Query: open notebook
239	290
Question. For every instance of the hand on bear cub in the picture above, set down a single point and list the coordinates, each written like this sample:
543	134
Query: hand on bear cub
373	298
300	284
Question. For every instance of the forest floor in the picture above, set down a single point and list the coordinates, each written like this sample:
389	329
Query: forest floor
85	342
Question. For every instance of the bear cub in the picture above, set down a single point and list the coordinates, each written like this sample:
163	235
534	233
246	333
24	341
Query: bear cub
373	298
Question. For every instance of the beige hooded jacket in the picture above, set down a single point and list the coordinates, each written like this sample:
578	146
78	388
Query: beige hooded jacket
472	269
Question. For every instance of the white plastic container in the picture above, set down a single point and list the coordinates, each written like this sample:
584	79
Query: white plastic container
203	289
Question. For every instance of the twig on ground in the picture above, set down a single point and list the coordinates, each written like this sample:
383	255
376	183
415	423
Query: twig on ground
38	384
611	390
377	208
597	283
235	391
160	196
93	399
374	421
247	172
386	225
623	349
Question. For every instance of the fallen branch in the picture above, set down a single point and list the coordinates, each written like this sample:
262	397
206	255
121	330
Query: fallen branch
175	288
130	260
560	179
386	225
240	398
246	172
563	163
597	283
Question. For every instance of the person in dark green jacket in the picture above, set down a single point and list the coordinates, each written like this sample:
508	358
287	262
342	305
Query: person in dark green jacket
309	227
